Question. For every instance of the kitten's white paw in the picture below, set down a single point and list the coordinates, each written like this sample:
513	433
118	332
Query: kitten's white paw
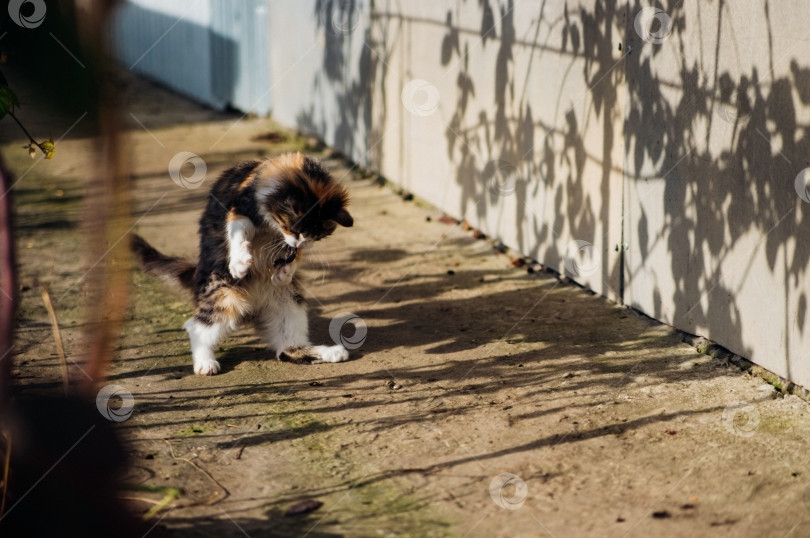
206	366
282	275
241	260
332	353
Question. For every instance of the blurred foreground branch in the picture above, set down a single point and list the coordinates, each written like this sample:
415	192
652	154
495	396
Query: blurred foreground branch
107	207
63	468
8	283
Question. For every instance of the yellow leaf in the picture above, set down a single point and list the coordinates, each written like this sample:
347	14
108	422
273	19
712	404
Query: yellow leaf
48	148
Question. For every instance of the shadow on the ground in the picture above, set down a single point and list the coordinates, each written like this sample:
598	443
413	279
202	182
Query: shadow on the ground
591	346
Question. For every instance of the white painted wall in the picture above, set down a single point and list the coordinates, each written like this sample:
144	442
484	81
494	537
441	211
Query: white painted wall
170	42
717	230
215	51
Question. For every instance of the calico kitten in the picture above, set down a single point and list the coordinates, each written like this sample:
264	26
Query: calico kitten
259	217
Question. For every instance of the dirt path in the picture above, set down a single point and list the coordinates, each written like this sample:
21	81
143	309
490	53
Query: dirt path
484	401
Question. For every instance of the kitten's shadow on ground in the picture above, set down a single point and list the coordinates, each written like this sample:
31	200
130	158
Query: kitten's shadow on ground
251	348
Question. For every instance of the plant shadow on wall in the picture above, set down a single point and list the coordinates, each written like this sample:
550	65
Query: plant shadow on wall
348	123
509	153
498	153
714	197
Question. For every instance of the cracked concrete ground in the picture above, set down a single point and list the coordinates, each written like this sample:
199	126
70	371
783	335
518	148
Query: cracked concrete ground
484	400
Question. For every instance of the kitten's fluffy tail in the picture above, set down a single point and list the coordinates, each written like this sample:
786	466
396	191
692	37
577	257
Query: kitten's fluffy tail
175	271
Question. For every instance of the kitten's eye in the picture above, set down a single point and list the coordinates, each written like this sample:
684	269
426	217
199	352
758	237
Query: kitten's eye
294	224
291	206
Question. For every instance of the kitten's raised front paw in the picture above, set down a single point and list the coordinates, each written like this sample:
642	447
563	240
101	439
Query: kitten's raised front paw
206	367
282	275
241	260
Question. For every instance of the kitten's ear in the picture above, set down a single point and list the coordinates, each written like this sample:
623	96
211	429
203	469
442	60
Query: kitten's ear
343	218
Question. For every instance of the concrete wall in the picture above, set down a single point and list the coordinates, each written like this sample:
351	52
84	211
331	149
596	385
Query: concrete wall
652	152
716	136
214	51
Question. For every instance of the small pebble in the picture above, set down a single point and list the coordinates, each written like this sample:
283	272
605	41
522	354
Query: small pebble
304	507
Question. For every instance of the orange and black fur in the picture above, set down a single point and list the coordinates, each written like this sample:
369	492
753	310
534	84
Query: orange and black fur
260	215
